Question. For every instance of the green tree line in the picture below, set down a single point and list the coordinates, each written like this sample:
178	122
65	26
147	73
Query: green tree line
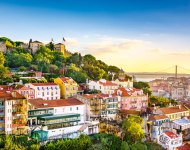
49	61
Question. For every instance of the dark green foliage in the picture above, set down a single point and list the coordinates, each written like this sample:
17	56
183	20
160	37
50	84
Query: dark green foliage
144	86
81	143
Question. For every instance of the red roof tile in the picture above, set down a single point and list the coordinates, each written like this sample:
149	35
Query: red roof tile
40	103
171	135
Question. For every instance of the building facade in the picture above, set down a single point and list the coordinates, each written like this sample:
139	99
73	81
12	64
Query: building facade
170	140
59	48
100	105
132	99
46	91
13	113
34	46
63	118
106	87
68	86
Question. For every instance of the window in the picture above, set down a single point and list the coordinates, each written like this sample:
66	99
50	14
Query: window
70	108
63	109
77	108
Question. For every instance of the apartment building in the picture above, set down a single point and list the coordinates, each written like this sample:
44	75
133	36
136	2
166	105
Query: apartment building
13	113
63	118
68	87
100	105
132	99
106	87
46	91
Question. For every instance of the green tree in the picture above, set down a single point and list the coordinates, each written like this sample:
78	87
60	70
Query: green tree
139	146
2	59
124	146
15	59
132	128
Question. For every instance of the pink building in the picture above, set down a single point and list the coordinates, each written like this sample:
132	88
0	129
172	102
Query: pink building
132	99
26	92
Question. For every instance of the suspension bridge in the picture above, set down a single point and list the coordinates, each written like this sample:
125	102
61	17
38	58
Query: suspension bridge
172	71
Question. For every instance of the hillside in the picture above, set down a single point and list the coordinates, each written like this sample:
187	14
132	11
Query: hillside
47	60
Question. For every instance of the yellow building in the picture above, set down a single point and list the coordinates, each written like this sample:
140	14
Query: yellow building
68	86
59	47
13	113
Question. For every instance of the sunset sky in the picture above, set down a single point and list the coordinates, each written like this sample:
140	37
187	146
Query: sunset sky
137	35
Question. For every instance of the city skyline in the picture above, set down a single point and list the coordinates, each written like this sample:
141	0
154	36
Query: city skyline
143	36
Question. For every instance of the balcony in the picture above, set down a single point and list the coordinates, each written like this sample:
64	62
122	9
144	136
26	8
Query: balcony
40	112
58	119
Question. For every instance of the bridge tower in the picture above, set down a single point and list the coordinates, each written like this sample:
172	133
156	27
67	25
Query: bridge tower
176	71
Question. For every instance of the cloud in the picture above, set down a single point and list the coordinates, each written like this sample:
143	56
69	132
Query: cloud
114	45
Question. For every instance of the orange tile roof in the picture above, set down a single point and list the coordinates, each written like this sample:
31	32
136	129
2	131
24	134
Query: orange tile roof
40	103
174	109
157	117
44	84
130	112
9	95
65	78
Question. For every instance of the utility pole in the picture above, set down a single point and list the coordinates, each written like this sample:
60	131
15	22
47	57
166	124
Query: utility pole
176	71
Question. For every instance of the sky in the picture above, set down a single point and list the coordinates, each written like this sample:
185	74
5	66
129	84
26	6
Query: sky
136	35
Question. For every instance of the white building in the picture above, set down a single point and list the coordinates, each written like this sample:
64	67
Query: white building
106	87
170	140
63	118
46	91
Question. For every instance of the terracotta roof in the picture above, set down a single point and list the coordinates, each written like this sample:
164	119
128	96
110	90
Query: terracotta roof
171	134
174	109
157	117
10	95
186	146
107	83
40	103
44	84
130	112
